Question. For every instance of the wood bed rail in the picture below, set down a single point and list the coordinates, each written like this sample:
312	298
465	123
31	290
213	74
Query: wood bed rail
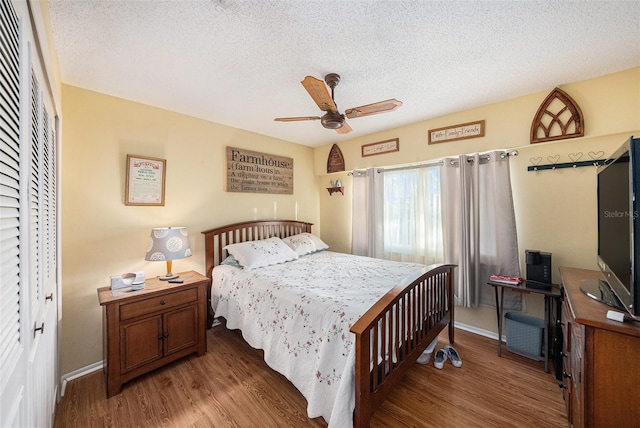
396	330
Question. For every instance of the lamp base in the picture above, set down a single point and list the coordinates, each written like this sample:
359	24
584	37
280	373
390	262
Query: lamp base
168	276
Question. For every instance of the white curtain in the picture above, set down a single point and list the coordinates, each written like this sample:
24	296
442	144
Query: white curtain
479	226
396	215
367	211
412	217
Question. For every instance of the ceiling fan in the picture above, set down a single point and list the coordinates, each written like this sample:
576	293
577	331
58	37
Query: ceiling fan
333	119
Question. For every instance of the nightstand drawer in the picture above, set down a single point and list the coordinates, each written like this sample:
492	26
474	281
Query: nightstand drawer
153	304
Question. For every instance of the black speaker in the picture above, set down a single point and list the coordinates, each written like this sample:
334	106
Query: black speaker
538	266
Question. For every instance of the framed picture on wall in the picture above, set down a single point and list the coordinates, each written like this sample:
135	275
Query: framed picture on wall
144	184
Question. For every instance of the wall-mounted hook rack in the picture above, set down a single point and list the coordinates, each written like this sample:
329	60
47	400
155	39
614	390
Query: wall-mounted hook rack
597	162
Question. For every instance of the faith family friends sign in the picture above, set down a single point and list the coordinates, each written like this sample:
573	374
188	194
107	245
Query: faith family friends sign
255	172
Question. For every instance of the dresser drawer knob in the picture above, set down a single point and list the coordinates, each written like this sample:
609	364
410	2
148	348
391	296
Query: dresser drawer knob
163	302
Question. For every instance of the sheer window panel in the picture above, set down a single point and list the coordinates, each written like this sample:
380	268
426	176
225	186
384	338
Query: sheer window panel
412	216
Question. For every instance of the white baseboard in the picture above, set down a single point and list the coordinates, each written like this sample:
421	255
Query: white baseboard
476	330
79	373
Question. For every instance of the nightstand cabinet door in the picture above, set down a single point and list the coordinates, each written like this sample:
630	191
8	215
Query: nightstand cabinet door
140	343
181	329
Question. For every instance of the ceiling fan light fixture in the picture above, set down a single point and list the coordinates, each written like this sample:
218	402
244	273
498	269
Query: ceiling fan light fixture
332	120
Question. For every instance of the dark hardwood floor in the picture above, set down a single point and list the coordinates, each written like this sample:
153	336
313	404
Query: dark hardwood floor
232	387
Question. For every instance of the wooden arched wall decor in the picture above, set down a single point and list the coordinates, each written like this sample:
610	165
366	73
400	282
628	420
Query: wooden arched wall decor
335	161
559	117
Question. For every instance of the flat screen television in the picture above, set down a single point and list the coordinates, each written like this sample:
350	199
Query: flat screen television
619	226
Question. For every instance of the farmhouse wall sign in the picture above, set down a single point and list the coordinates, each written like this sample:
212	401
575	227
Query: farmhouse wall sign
381	147
255	172
457	132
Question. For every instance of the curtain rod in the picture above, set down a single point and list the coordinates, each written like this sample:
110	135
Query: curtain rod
441	162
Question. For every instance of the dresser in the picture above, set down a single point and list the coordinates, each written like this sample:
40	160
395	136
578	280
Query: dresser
601	359
146	329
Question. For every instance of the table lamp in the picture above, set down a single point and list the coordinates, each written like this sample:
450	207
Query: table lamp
168	244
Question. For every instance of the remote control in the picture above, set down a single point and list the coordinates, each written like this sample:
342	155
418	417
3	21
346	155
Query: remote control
620	317
176	281
616	316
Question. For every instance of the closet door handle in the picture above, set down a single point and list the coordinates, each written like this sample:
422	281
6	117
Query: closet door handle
38	329
49	297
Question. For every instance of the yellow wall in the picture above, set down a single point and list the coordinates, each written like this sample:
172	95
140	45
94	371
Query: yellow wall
103	237
555	210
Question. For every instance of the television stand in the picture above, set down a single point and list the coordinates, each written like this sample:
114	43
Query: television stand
599	290
601	359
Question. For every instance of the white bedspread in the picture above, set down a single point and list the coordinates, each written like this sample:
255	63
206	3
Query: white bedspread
300	313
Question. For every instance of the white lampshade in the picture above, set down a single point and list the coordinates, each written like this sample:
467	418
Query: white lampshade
167	244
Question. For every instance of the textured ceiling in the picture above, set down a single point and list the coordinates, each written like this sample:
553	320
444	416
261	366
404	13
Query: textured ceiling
240	62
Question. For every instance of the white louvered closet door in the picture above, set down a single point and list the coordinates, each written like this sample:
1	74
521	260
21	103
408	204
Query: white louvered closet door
12	349
42	255
28	228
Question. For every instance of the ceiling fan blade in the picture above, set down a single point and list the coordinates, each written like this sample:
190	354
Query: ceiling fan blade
318	91
345	129
375	108
295	119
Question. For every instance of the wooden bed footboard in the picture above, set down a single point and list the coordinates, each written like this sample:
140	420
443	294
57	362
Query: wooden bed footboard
396	330
414	314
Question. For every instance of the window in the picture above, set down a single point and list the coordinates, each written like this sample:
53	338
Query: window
412	215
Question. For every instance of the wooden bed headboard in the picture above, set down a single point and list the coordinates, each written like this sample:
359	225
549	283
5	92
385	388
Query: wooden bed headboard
216	239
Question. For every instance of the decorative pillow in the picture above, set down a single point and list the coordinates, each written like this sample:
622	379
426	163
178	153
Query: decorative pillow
230	261
305	243
266	252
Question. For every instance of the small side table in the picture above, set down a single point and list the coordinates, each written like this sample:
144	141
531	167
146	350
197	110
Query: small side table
147	329
549	296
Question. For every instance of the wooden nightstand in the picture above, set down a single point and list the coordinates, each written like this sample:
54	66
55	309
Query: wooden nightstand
146	329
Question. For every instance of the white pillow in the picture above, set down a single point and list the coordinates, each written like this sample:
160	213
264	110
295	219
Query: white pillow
305	243
266	252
